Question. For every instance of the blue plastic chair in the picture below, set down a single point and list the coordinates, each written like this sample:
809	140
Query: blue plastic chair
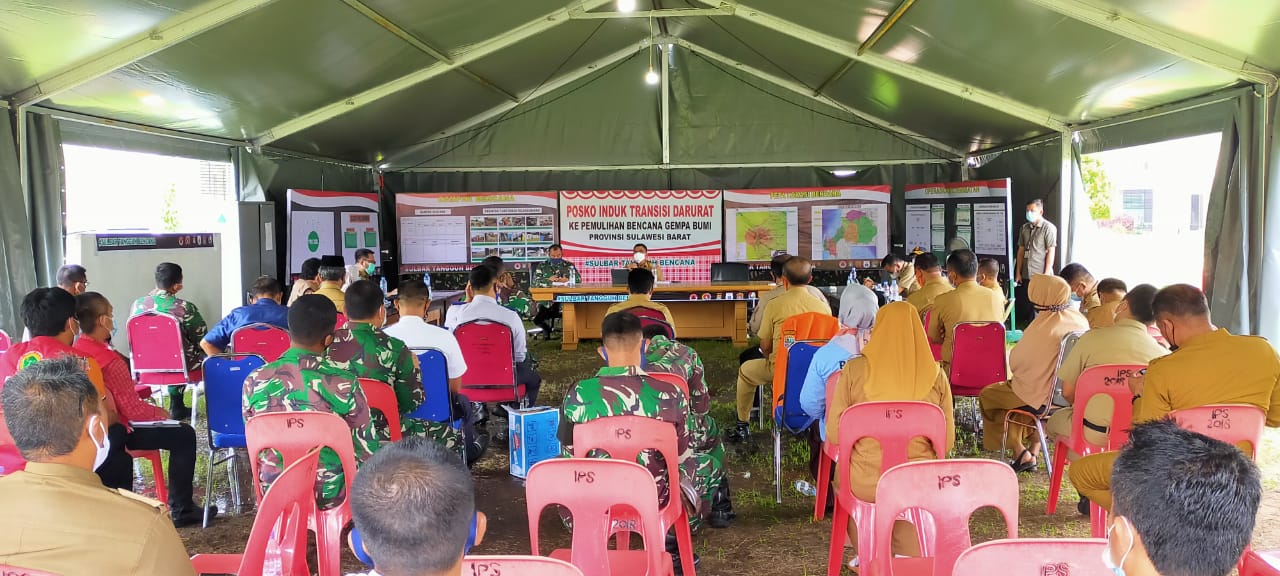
435	383
224	377
790	415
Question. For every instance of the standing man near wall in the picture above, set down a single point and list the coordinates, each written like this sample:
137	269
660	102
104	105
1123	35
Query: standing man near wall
1037	248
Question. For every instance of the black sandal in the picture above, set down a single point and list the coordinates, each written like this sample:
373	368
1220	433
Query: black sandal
1019	466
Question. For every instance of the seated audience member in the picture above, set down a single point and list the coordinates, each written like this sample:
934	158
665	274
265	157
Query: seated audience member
308	280
1184	504
94	314
672	357
931	281
333	275
556	270
858	307
640	287
901	269
71	277
1083	287
989	275
266	309
482	305
1246	367
797	273
780	287
1110	292
433	505
164	300
305	379
969	302
896	365
641	260
504	283
1032	366
417	334
366	264
56	516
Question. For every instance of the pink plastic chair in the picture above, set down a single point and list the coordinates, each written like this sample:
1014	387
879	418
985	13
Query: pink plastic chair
8	570
950	491
157	472
279	528
157	356
827	456
1234	424
1111	380
1041	556
5	341
650	317
978	357
490	355
10	459
265	340
294	434
517	566
935	348
382	397
624	438
673	379
593	489
893	425
1256	563
341	321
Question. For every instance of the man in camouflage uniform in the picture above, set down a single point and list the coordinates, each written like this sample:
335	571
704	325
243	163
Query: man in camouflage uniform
304	379
711	477
369	353
555	269
164	300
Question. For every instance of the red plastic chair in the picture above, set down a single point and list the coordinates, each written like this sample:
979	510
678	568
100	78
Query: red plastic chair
156	354
1234	424
5	341
893	425
1041	556
935	348
1256	563
341	321
278	540
517	566
950	491
624	438
593	489
978	360
651	317
10	459
1111	380
293	435
265	340
8	570
157	472
674	379
490	356
382	397
827	456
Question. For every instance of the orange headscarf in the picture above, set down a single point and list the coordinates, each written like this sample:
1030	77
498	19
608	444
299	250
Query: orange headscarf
900	365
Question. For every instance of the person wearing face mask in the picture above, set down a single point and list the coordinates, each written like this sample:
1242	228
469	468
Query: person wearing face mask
164	300
1037	247
556	270
71	277
931	281
640	259
94	314
1084	288
969	302
1184	504
1208	365
56	516
366	264
304	378
266	309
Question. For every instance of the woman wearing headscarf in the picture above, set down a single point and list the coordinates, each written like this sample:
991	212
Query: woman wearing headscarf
858	306
897	366
1033	365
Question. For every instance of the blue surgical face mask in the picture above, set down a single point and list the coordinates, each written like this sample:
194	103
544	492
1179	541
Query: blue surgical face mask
1032	216
1076	298
557	260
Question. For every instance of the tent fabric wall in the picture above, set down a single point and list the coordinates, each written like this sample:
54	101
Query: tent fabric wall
1035	172
17	262
1269	305
45	183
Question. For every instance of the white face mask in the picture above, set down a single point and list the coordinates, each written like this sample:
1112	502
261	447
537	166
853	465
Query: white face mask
639	256
105	447
1106	554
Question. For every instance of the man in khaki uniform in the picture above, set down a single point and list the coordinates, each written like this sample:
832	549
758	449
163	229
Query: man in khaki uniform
775	269
640	287
1083	286
900	269
333	275
1111	293
759	372
932	283
969	302
56	516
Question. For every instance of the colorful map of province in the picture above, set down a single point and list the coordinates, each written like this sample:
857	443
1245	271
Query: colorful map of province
762	233
845	228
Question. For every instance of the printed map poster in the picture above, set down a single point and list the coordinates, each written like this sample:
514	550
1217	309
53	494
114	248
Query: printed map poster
835	227
681	228
452	232
323	223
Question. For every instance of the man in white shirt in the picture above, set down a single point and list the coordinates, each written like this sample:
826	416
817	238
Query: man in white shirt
483	305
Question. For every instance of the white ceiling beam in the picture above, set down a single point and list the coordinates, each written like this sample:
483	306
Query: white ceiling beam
476	52
599	168
168	33
934	80
808	93
1106	17
549	87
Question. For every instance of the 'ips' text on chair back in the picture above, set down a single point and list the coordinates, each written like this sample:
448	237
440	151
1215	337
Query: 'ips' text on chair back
1041	556
517	566
1234	424
593	489
382	397
950	491
265	340
490	356
978	357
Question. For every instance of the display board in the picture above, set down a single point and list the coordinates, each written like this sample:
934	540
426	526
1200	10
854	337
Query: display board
834	227
681	228
327	223
942	217
452	232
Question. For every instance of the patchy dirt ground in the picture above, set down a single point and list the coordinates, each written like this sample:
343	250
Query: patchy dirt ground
768	538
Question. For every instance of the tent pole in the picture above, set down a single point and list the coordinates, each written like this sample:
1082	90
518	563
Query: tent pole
1065	198
664	50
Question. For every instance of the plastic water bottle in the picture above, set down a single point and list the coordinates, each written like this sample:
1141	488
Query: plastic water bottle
804	487
893	289
853	277
382	283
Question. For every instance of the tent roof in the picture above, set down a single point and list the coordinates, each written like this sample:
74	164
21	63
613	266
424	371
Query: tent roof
549	83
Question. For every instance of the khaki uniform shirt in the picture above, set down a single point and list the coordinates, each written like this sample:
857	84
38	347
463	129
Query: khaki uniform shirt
1103	315
1036	240
1126	342
923	298
1091	301
1214	368
907	284
333	291
794	301
642	301
757	315
61	519
300	288
969	302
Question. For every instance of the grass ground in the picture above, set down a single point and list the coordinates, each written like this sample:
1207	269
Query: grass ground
768	538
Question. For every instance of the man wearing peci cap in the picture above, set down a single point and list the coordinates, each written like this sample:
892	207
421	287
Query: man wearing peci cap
333	274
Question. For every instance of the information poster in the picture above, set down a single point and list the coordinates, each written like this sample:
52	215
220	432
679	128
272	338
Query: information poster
990	225
834	227
681	228
323	223
918	228
979	215
452	232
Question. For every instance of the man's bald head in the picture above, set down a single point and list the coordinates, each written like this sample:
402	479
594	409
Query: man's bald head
798	271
